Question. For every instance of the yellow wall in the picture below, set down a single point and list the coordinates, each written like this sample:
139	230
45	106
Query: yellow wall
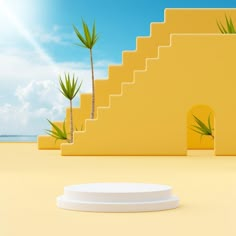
176	21
150	116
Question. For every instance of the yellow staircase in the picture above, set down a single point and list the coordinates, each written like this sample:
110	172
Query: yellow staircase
117	74
149	117
177	21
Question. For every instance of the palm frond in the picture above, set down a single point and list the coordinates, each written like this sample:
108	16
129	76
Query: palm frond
69	86
232	26
89	39
78	89
95	36
57	133
86	33
81	38
221	28
81	128
229	29
209	122
202	128
201	125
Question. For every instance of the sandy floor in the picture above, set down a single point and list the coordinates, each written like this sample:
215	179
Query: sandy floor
30	181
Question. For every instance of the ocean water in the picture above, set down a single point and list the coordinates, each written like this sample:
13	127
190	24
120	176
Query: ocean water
18	138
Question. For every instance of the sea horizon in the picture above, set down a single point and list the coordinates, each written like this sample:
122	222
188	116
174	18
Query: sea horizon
18	138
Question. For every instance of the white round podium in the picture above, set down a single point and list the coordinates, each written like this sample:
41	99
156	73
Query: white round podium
117	197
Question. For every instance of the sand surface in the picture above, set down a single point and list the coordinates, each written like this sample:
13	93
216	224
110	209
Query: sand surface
30	181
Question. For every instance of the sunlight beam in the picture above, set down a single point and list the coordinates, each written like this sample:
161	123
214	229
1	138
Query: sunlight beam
20	27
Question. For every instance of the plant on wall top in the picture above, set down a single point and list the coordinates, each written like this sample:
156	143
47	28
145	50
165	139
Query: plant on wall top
202	128
88	41
229	24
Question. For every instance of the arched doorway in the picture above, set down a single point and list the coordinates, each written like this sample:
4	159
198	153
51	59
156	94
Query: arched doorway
200	142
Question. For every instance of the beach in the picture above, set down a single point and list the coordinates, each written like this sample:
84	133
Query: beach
30	181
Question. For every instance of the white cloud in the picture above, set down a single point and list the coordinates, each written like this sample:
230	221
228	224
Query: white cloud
56	35
49	38
55	28
36	95
25	67
35	102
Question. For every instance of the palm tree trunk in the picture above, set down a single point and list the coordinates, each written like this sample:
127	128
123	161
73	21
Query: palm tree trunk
71	123
93	86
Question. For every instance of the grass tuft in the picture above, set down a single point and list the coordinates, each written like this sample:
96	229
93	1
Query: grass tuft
202	128
229	28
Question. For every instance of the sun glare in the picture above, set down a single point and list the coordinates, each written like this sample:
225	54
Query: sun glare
25	10
8	16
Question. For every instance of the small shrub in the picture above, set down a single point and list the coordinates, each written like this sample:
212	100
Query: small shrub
57	133
202	128
229	24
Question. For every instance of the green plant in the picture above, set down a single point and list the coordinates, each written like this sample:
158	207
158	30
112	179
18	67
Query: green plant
69	90
81	128
230	26
58	133
88	41
203	129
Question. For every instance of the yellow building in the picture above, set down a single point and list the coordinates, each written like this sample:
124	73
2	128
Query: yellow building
145	107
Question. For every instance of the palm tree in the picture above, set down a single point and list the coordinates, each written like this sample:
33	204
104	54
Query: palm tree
88	41
69	90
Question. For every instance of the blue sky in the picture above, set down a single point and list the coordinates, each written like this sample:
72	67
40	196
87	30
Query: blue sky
37	44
